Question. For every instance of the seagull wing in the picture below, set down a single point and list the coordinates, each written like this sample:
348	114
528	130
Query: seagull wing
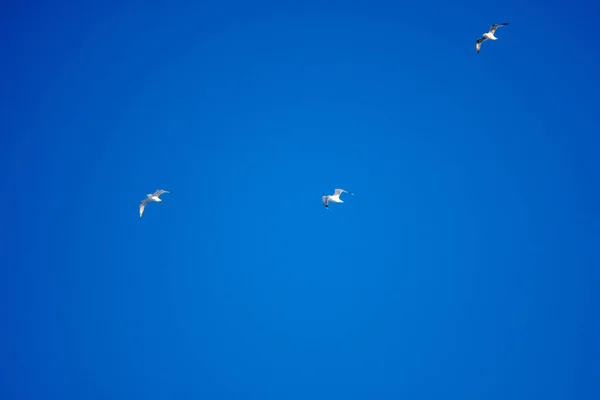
340	191
496	26
142	206
160	191
478	43
326	201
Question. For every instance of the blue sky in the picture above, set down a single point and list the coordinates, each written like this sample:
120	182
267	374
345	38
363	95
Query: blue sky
465	266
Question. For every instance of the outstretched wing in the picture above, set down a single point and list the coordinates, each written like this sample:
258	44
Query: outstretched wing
142	206
160	191
326	201
340	191
478	44
496	26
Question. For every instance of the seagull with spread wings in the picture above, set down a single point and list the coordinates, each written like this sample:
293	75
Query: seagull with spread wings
335	197
488	35
151	197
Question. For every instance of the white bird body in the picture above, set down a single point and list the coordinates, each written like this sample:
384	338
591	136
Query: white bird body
335	197
151	197
488	35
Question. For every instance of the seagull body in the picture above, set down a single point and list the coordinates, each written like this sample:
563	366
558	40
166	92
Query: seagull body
335	197
151	197
488	35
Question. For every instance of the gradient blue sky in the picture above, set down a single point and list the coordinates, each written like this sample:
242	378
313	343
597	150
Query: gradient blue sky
465	267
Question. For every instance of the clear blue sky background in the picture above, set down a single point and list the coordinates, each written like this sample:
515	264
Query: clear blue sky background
465	267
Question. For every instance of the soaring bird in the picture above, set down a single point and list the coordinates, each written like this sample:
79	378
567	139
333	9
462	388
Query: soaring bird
151	197
335	197
488	35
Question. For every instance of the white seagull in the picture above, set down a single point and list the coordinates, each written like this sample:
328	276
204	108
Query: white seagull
335	197
488	35
151	197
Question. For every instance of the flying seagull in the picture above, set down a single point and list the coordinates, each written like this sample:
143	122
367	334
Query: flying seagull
335	197
488	35
151	197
